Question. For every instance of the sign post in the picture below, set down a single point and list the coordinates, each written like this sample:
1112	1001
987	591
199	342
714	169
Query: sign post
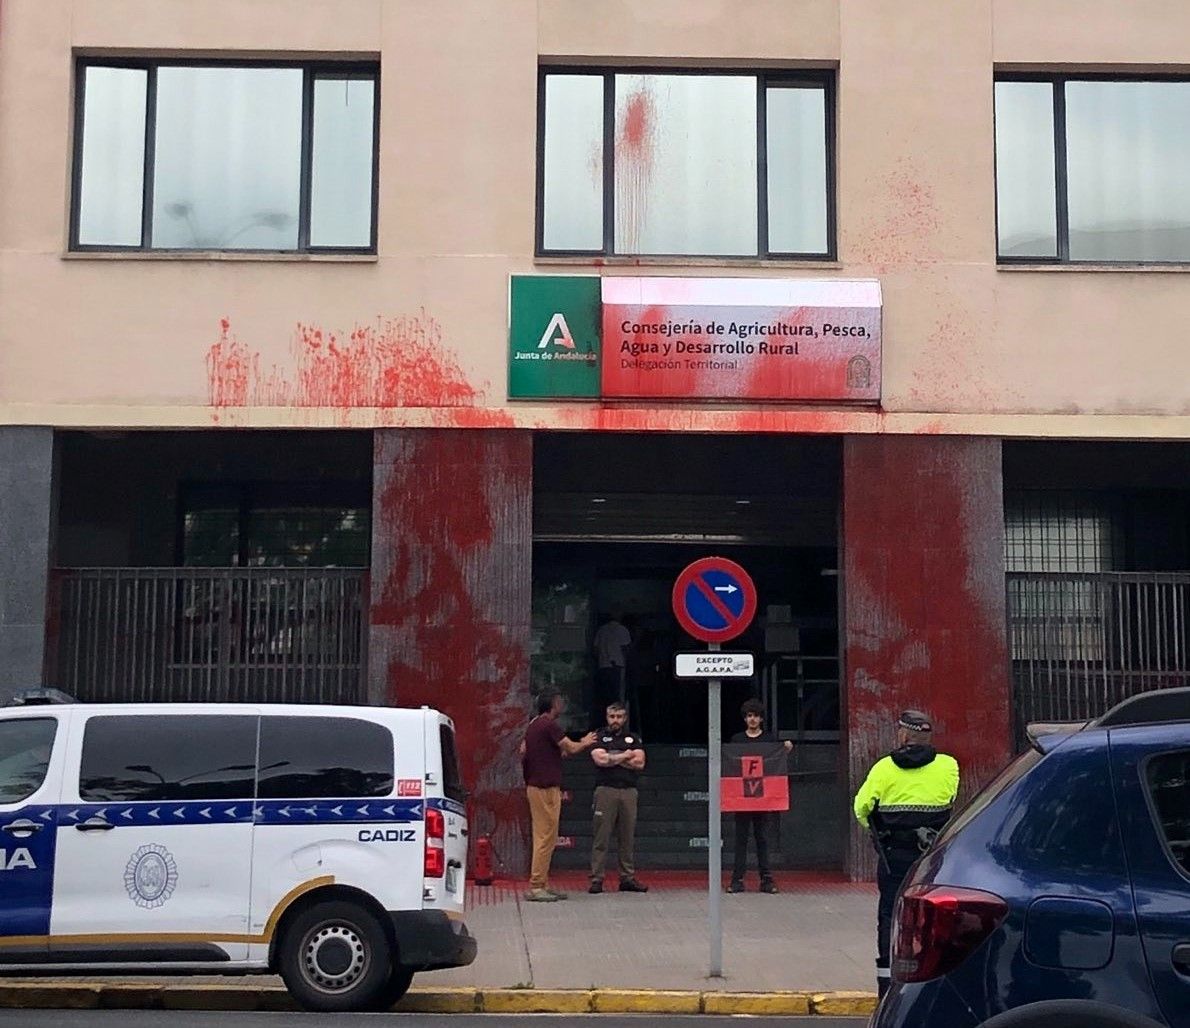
714	600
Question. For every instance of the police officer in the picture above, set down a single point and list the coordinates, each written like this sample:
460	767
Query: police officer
905	801
619	758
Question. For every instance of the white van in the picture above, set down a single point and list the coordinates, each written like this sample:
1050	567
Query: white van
326	844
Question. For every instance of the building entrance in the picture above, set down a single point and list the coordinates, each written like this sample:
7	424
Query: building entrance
616	518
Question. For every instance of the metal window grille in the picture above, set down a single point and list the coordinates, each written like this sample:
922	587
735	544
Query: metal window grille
210	634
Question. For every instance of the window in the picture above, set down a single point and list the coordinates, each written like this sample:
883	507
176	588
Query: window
1068	539
452	778
323	524
1169	784
178	757
720	164
219	156
25	747
324	757
1092	169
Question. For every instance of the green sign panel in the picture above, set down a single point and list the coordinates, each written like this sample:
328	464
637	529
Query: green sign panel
554	337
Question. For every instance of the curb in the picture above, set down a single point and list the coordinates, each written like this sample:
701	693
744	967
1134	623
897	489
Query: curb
124	995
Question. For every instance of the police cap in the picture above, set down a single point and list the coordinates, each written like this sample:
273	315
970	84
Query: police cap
915	721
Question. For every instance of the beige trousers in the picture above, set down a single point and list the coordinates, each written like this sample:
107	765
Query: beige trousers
545	811
615	811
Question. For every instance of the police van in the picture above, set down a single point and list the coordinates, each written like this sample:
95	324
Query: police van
326	844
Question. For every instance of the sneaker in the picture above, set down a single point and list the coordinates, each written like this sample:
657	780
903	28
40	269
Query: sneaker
540	896
595	888
769	886
736	886
558	895
632	885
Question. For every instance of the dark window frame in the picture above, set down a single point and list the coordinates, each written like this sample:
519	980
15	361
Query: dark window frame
1182	870
311	71
270	732
1057	82
823	79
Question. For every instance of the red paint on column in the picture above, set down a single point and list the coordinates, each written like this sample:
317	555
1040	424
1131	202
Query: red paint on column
924	602
451	601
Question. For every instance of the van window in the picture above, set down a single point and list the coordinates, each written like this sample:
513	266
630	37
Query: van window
1169	784
177	757
331	757
25	746
452	780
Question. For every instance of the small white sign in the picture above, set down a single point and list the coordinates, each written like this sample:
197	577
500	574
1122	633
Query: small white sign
713	665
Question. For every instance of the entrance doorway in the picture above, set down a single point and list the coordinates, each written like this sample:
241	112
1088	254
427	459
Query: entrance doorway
616	518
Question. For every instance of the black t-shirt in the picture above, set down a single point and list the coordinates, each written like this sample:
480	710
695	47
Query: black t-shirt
617	742
764	737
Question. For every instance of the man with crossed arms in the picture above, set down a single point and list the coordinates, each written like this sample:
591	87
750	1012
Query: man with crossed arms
619	759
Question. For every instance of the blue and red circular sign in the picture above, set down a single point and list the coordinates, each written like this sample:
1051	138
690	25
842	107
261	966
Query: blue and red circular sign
714	599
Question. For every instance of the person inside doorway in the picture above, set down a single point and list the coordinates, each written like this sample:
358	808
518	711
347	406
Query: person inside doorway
612	642
755	822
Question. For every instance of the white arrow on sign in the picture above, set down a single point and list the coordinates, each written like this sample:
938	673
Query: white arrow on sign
726	589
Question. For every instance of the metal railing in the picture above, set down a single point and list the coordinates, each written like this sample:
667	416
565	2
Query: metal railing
262	635
1082	642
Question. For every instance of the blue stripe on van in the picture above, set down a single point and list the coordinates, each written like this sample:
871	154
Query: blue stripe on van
262	812
450	806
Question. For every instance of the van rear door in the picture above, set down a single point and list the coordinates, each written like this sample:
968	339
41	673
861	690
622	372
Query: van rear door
446	816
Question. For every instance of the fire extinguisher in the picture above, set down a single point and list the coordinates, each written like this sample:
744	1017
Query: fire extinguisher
483	860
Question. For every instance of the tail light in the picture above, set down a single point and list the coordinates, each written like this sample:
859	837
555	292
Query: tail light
939	926
435	844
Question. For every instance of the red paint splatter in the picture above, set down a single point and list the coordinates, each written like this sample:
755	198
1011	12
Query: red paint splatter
451	601
395	362
924	601
635	143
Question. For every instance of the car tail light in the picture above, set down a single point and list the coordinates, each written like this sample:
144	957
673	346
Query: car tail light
435	844
939	926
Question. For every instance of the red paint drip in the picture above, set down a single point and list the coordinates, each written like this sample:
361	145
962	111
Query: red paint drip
634	169
448	616
396	362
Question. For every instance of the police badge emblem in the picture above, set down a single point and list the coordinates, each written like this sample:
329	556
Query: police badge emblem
151	876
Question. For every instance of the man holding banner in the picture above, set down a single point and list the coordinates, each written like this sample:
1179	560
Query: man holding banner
755	784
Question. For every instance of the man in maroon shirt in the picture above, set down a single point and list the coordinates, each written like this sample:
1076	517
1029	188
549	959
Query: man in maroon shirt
542	750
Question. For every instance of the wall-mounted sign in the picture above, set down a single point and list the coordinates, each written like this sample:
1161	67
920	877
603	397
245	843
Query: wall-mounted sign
694	338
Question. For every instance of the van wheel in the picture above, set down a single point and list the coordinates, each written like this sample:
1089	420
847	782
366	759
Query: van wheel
394	989
334	957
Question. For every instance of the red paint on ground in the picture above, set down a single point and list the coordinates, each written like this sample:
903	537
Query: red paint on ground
395	362
451	600
923	532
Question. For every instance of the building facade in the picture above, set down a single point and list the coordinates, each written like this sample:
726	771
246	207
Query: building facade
333	361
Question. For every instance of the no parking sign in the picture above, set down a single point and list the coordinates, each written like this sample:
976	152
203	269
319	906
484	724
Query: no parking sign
714	599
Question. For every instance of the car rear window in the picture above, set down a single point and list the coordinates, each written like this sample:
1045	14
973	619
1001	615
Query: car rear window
983	799
1168	778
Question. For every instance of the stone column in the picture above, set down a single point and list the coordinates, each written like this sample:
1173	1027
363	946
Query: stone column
451	597
924	604
26	545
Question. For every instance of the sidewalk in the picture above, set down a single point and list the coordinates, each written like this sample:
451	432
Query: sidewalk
817	935
809	949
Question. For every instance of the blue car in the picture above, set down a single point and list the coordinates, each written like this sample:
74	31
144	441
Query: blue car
1060	896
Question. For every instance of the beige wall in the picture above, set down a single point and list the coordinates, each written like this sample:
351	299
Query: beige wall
967	347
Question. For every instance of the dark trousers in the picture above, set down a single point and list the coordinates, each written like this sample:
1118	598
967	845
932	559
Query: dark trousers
888	879
759	824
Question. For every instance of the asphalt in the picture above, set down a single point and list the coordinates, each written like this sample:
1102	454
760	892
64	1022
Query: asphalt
807	950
